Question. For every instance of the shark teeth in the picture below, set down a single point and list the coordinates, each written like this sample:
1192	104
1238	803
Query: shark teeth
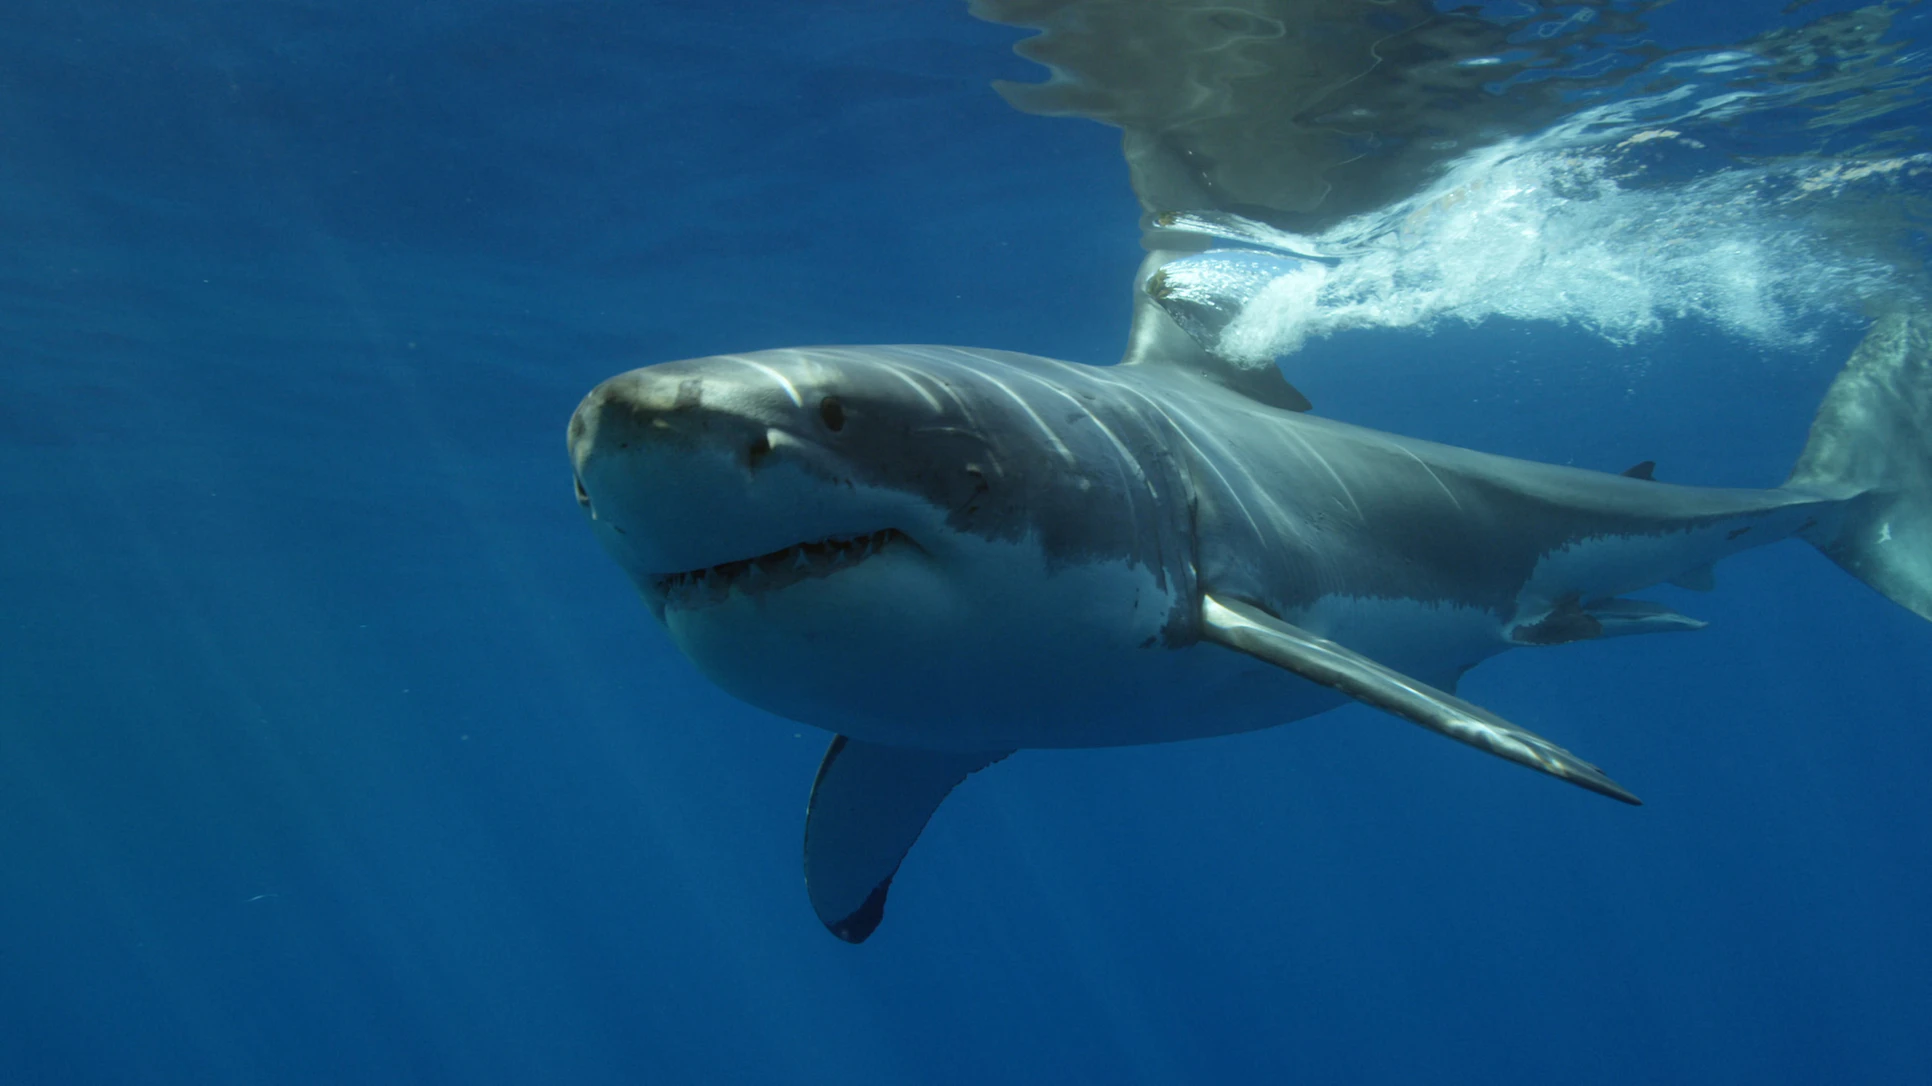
774	571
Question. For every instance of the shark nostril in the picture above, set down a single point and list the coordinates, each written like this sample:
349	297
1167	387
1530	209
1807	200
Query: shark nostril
583	496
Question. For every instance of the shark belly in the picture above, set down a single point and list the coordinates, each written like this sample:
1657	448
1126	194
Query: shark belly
1000	667
1073	656
1431	640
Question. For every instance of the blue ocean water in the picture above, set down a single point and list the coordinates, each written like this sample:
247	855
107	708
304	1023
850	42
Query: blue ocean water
333	750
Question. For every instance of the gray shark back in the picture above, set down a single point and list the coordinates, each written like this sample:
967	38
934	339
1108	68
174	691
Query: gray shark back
1291	508
1178	463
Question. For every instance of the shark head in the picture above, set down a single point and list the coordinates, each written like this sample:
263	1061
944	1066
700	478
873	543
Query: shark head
851	536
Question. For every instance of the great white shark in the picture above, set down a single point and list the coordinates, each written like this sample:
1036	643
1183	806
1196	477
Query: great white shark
944	554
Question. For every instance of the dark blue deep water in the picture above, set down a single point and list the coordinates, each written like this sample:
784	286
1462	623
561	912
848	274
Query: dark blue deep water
333	750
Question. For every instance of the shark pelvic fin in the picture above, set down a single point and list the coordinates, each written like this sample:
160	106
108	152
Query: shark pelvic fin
1248	629
1573	620
1621	618
869	804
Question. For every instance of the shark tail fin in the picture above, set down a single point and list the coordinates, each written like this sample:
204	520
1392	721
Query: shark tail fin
1871	444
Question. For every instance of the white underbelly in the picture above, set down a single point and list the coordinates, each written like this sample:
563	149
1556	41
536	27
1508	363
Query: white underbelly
899	651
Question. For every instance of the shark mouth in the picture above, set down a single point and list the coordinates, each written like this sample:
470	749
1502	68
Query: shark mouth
771	572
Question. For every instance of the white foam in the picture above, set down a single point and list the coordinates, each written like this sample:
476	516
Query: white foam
1575	225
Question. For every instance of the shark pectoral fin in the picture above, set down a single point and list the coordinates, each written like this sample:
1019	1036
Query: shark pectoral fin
869	804
1261	635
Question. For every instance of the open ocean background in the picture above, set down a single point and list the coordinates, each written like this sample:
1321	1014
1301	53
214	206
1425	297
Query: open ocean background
333	750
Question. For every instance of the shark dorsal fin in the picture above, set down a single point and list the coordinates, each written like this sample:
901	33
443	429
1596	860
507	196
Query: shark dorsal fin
1265	385
1155	340
1646	470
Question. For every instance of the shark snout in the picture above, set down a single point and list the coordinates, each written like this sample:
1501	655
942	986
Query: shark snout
649	428
651	445
687	465
643	410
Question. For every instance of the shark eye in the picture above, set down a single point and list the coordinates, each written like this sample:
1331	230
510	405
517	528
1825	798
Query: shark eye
832	413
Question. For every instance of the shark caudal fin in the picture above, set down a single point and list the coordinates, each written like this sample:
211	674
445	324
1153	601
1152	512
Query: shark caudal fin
1872	444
